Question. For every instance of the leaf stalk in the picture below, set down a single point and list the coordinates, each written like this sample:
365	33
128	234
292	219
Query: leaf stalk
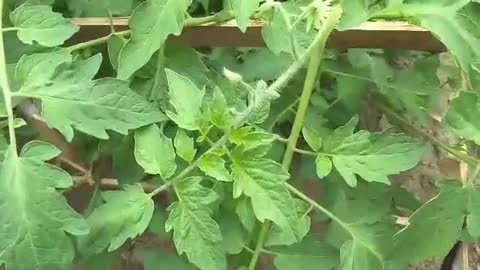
4	83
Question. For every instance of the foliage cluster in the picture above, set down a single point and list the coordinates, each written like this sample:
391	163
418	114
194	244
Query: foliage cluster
216	132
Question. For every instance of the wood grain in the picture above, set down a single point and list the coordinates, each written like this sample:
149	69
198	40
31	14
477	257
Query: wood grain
381	34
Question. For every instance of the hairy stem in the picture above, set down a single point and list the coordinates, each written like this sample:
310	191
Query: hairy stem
188	22
7	94
314	53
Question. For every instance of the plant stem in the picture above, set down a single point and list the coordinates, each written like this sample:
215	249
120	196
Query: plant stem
7	94
188	22
472	161
9	29
314	53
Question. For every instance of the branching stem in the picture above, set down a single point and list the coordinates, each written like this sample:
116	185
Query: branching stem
314	53
7	94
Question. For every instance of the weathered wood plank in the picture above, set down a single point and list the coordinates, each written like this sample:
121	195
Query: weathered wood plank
387	35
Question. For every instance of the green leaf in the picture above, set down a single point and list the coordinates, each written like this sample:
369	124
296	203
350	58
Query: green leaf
213	165
233	234
41	150
354	13
243	10
186	99
324	165
462	116
184	146
452	22
154	259
115	44
39	23
218	110
75	101
276	32
278	237
151	23
262	180
442	217
195	233
124	215
35	217
372	156
250	138
245	213
155	152
311	253
125	167
39	67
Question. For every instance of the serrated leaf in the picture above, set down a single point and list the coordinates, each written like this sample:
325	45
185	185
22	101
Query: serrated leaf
372	156
262	180
155	152
462	116
39	67
311	253
324	165
110	228
354	13
151	23
279	237
243	10
214	166
39	23
250	138
442	217
35	217
195	233
41	150
70	99
186	99
184	146
218	110
276	32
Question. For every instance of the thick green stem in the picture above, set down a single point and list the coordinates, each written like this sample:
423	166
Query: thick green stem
7	94
314	53
188	22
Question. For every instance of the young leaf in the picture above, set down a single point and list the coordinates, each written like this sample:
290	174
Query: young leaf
194	231
311	253
324	166
462	116
71	99
371	156
186	98
243	10
219	111
250	138
39	23
155	152
262	180
214	166
184	146
35	216
151	23
111	227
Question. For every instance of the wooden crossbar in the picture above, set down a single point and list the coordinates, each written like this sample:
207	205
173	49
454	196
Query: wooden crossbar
384	34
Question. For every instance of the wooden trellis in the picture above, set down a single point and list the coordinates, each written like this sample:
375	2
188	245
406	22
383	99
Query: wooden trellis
385	34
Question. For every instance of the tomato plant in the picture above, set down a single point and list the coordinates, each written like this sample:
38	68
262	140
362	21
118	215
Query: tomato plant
203	143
